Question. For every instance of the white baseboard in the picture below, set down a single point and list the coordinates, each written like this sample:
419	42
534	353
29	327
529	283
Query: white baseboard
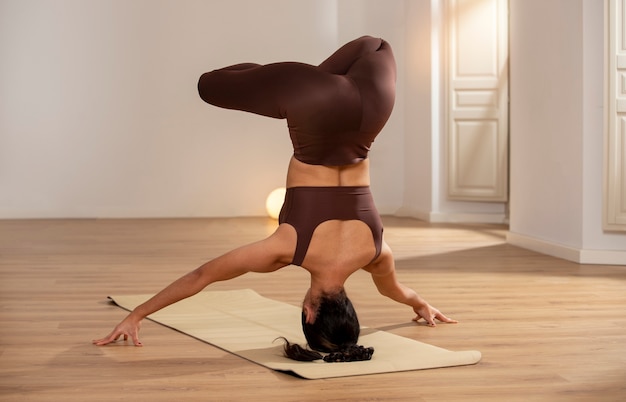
448	217
580	256
411	213
603	257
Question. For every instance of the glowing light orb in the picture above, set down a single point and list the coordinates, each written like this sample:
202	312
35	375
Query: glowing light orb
274	202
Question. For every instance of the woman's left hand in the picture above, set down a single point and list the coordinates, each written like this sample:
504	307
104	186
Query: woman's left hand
429	314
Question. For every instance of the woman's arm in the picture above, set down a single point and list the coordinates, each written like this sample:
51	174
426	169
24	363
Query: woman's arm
384	276
263	256
183	287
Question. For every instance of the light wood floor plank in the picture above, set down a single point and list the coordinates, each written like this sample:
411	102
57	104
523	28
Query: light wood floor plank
549	330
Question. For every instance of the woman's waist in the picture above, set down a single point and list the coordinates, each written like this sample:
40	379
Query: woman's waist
304	175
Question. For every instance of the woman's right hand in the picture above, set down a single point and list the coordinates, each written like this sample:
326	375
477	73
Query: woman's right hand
128	327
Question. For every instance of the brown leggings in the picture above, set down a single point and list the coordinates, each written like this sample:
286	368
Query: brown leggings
305	208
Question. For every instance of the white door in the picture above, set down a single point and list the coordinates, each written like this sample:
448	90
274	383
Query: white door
615	168
477	99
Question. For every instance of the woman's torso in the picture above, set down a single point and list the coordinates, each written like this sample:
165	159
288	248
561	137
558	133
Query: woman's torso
337	247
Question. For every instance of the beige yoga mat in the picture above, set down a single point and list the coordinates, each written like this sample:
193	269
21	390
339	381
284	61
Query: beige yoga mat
246	324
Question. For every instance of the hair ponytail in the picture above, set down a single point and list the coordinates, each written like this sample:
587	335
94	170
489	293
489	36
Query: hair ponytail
351	353
297	352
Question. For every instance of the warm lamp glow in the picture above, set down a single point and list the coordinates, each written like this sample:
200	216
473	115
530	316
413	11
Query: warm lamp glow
274	202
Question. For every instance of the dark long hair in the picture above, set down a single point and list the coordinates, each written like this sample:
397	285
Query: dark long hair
335	331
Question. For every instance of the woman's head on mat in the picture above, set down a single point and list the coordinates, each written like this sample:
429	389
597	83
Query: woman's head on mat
330	325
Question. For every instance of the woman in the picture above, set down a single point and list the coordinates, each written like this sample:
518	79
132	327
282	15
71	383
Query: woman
329	224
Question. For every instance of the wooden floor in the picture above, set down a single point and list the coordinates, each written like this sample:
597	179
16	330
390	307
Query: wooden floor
548	330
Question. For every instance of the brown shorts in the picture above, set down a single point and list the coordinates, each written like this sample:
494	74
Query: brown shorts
305	208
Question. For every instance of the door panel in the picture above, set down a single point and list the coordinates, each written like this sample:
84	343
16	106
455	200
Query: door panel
477	100
615	139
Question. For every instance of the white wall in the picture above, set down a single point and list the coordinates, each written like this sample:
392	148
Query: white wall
557	127
99	114
421	151
546	119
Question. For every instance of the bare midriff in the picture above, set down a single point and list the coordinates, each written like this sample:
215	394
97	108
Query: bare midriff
301	174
